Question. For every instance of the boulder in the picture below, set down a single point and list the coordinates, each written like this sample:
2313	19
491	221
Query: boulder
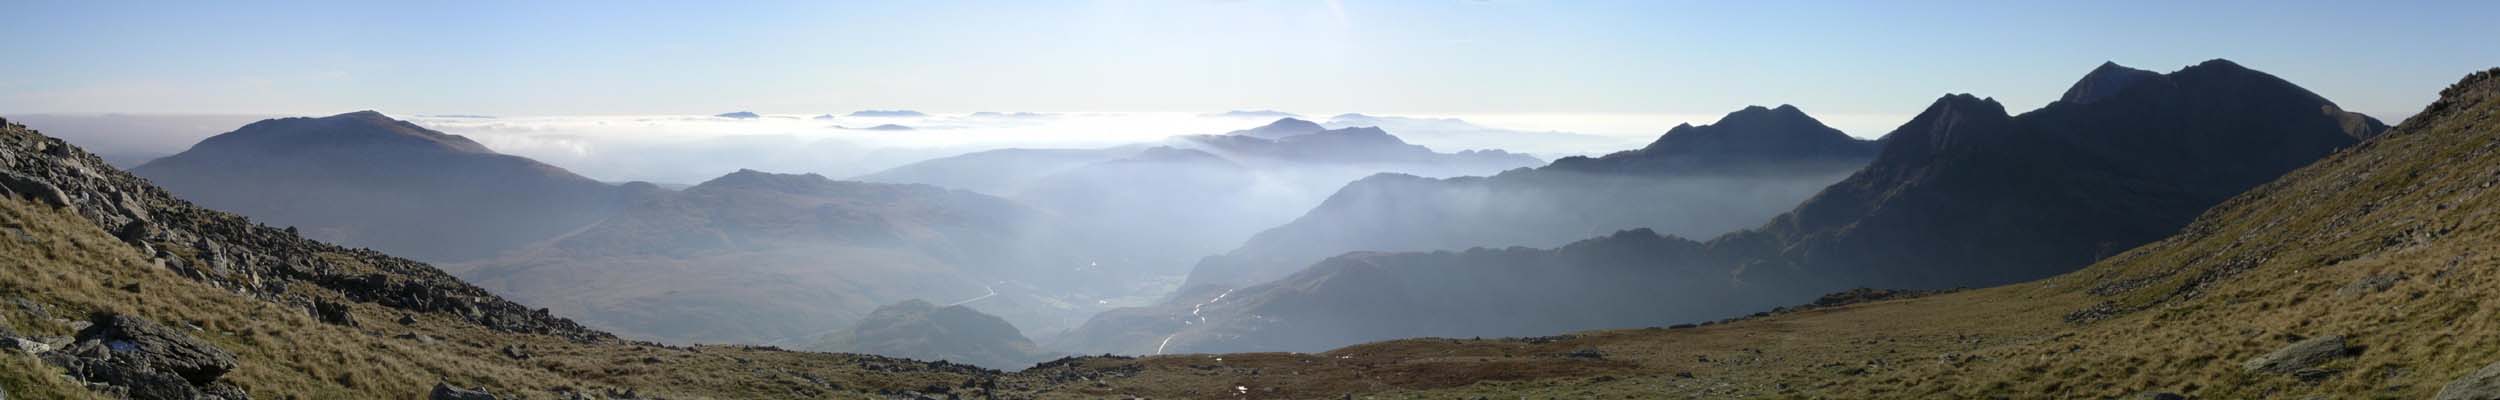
15	185
147	361
25	345
445	391
2482	384
2370	284
2299	356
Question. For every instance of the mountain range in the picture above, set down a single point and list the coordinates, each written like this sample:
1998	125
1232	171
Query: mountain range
1150	210
1963	195
755	257
2356	276
1694	181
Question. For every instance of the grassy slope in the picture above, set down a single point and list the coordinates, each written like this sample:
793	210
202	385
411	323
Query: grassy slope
55	258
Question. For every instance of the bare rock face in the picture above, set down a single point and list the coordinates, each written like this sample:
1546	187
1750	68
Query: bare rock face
445	391
141	359
2300	356
2483	384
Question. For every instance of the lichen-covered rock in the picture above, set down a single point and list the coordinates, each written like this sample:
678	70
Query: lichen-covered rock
445	391
143	360
2482	384
2299	356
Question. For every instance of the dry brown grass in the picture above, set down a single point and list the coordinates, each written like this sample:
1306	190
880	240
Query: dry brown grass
57	259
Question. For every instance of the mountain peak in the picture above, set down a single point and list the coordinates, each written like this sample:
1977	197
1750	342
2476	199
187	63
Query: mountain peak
753	179
2107	80
1282	128
1752	129
354	129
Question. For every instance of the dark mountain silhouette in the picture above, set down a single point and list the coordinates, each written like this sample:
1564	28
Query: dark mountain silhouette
1962	195
1281	128
2106	81
1695	181
364	179
739	115
919	330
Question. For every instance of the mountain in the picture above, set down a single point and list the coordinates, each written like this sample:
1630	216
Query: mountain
117	289
1454	133
1002	172
1694	181
739	115
888	113
1961	196
755	257
1283	127
364	179
1149	210
918	330
2354	277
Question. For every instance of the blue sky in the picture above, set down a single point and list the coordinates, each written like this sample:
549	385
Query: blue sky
1450	57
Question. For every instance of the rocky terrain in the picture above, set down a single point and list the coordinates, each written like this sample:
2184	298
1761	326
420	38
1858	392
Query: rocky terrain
1694	181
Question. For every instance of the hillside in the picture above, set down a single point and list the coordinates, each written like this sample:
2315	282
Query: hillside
2361	276
193	302
918	330
1694	181
1961	196
755	257
363	179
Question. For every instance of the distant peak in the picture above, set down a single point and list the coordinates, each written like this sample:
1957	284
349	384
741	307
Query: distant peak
1282	128
1968	102
2104	81
2220	63
753	179
1292	122
1759	115
360	128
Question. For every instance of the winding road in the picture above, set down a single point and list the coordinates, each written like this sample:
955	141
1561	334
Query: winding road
1193	312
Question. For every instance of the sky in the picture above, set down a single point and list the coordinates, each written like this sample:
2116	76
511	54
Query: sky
1322	57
